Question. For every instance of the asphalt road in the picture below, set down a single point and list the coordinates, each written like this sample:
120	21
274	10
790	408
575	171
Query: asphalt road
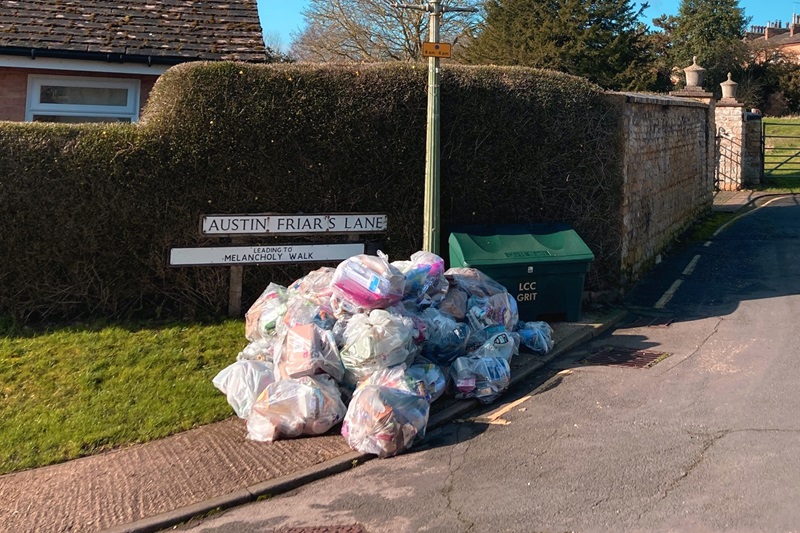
707	439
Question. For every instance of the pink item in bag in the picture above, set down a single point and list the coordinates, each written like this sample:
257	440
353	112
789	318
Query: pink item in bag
367	282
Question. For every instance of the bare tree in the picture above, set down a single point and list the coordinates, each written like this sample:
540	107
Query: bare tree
374	30
273	40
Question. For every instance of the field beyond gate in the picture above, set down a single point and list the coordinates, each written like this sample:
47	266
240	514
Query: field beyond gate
781	148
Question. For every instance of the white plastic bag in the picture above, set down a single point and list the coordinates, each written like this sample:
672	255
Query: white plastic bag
375	341
242	382
293	407
260	350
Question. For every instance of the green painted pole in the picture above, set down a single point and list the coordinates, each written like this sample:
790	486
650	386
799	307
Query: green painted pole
432	230
431	215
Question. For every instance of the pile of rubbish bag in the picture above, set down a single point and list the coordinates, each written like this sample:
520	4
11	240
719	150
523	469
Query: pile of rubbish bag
372	344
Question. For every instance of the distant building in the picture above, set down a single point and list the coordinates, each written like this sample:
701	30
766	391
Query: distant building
778	36
97	60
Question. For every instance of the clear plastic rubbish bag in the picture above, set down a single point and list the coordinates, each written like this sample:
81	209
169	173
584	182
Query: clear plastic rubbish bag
497	310
365	282
489	302
384	420
242	382
260	350
412	317
425	281
537	336
502	344
484	378
293	407
375	341
455	302
446	338
301	310
266	311
427	380
307	350
314	286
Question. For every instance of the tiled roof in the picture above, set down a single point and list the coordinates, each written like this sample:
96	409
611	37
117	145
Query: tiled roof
783	39
166	29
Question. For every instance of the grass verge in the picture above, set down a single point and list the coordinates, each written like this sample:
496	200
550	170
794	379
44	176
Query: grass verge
77	391
704	228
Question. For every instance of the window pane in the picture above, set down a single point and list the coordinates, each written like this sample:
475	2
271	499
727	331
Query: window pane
77	120
56	94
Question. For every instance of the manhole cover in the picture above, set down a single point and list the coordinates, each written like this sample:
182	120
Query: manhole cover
629	357
651	322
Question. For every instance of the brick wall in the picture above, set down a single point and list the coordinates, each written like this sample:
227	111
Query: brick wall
667	177
14	88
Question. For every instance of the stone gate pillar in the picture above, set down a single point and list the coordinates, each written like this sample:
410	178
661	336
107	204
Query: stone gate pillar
731	140
694	90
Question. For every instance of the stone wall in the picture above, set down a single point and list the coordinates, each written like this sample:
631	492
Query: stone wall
668	178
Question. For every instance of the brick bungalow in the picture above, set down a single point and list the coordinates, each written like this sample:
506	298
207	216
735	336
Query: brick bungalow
97	60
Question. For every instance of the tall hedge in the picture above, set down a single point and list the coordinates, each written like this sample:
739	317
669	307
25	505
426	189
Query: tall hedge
88	212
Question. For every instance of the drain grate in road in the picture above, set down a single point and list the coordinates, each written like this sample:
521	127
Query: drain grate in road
651	322
353	528
627	357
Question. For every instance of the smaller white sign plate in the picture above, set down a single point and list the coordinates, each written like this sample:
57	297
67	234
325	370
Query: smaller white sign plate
292	224
257	255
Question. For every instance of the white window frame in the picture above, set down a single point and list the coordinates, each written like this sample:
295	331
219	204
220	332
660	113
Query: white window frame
33	106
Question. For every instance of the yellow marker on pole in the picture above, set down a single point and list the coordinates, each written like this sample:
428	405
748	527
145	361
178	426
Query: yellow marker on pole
436	50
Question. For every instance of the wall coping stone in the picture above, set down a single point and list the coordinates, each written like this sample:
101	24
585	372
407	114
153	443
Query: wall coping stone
640	98
729	102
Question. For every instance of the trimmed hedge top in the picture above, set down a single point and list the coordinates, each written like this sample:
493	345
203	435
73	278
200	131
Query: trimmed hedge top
91	210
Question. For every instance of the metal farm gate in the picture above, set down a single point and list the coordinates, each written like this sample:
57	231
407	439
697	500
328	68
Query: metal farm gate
780	150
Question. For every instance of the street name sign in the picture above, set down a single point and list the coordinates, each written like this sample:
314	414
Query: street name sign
270	223
257	255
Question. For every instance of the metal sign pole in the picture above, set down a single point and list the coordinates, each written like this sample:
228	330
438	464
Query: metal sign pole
432	219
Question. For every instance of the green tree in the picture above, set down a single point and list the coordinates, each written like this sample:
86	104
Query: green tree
601	40
274	55
711	30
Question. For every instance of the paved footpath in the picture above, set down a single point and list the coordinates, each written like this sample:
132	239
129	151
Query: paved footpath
156	485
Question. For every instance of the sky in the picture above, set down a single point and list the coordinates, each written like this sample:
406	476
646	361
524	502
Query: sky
279	18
